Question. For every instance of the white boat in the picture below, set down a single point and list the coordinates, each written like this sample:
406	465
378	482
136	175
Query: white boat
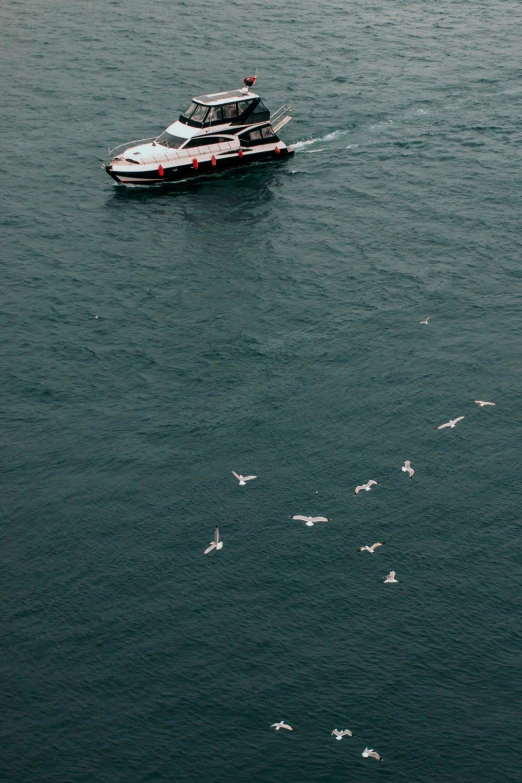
217	132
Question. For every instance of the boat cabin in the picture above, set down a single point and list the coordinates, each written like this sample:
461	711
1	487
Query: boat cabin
236	107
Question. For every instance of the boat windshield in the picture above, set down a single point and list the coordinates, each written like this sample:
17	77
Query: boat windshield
190	111
196	112
168	140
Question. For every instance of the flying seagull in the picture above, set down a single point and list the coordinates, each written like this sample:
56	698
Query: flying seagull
425	321
482	403
340	734
390	579
371	752
451	423
371	548
215	544
407	468
310	521
281	725
366	486
243	479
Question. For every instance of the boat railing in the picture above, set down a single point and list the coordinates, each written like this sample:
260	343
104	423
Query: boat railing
279	112
128	144
282	121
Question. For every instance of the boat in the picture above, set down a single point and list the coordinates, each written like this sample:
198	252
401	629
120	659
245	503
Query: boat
220	131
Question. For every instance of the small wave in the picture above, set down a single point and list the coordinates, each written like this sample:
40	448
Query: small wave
381	125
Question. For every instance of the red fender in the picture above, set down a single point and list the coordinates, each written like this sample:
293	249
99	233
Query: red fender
213	159
160	171
240	153
277	151
195	163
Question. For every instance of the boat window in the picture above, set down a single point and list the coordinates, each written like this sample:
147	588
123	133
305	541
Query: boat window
205	141
215	114
229	110
267	132
243	106
199	114
255	134
168	140
191	109
260	112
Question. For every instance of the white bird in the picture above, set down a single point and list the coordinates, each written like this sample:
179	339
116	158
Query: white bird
371	752
243	479
425	321
371	548
482	403
407	468
366	486
390	579
451	423
340	734
215	544
281	725
310	521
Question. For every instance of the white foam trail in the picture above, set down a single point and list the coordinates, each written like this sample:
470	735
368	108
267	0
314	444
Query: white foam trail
336	134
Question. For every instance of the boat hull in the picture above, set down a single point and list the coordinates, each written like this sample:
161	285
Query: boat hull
178	171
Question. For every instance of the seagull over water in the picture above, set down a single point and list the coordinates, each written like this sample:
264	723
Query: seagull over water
310	521
407	468
281	725
340	734
425	321
371	548
481	403
215	544
366	486
451	423
390	579
371	752
243	479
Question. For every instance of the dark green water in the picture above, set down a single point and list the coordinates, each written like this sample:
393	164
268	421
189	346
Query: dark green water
265	322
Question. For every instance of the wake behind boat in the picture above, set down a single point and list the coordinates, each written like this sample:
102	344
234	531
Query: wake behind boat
217	132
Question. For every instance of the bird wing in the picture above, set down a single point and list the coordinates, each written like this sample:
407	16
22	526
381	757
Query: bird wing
378	543
358	489
336	732
441	426
459	418
210	547
302	519
216	535
236	475
374	754
248	478
286	726
319	519
274	725
370	482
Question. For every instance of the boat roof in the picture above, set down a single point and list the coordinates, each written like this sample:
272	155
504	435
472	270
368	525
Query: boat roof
216	98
